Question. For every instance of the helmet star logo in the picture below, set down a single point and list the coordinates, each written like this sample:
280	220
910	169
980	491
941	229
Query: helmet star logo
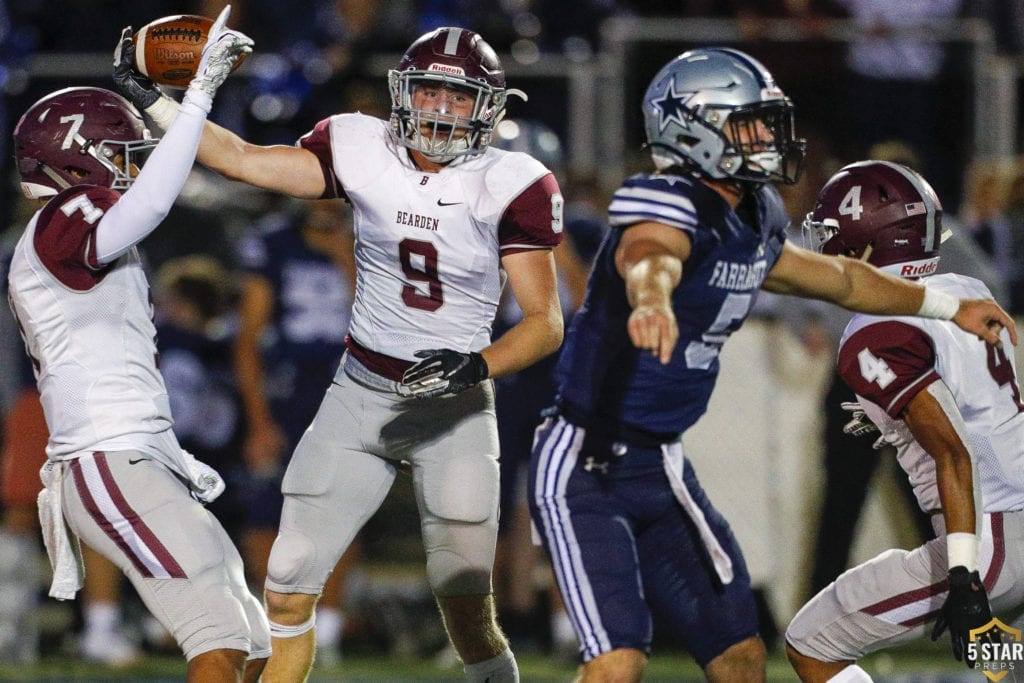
672	107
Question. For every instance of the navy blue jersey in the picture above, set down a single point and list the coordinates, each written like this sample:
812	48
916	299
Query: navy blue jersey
306	336
611	387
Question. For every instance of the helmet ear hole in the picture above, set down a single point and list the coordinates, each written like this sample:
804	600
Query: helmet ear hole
883	193
76	171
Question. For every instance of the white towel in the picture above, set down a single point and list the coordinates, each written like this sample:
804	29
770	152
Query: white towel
674	463
62	546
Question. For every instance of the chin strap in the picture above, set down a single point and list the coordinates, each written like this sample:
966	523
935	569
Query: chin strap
52	175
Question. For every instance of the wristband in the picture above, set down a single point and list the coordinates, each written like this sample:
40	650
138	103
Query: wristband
962	550
200	98
163	112
938	305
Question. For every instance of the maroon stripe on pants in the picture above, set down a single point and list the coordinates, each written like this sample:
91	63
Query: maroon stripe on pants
139	527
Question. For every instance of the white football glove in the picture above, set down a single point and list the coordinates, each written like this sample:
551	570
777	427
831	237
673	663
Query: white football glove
223	48
204	483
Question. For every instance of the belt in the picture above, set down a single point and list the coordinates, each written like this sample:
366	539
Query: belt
368	378
619	435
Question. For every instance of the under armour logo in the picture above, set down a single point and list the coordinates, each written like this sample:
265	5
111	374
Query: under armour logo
593	464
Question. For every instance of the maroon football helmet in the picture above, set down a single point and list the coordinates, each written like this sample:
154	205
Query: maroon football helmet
452	59
72	137
881	212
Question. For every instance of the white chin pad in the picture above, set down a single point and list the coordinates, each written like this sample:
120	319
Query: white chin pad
768	162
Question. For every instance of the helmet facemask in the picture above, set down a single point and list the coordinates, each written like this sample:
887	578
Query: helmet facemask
123	158
816	233
760	145
439	135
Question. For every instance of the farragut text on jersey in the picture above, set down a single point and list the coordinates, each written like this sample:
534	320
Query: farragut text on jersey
738	276
417	220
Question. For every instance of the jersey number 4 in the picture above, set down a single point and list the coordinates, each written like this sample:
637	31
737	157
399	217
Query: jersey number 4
875	369
1002	372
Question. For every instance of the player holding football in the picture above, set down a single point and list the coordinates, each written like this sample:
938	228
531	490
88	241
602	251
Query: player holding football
441	219
116	475
952	407
627	524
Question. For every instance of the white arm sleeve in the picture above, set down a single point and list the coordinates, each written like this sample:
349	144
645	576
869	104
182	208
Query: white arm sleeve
152	194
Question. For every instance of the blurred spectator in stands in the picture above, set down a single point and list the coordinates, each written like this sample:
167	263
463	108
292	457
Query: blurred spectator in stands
309	52
296	298
984	212
195	341
895	82
1015	216
24	440
1007	20
200	221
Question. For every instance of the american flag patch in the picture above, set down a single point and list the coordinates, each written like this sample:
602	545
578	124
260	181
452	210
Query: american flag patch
915	208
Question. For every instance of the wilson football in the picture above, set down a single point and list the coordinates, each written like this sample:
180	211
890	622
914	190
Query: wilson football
168	50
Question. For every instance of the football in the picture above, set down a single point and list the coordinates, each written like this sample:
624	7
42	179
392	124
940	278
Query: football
168	50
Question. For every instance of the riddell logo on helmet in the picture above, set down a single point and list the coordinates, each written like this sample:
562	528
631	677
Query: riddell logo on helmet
918	269
448	69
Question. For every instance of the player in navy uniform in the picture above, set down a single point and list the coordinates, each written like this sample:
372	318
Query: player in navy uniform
628	526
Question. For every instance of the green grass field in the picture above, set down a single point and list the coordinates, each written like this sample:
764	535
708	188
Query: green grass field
923	663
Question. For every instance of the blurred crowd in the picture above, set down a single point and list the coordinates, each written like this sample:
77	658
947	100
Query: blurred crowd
252	292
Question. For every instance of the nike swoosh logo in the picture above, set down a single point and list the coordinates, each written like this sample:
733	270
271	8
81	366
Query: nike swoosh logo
137	461
440	203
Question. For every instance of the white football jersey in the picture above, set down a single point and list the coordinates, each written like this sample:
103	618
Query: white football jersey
428	245
887	361
89	332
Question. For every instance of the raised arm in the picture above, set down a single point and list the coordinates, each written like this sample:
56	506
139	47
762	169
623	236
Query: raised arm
858	286
281	168
157	186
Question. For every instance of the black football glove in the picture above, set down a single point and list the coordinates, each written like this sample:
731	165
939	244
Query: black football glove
132	85
966	608
444	372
